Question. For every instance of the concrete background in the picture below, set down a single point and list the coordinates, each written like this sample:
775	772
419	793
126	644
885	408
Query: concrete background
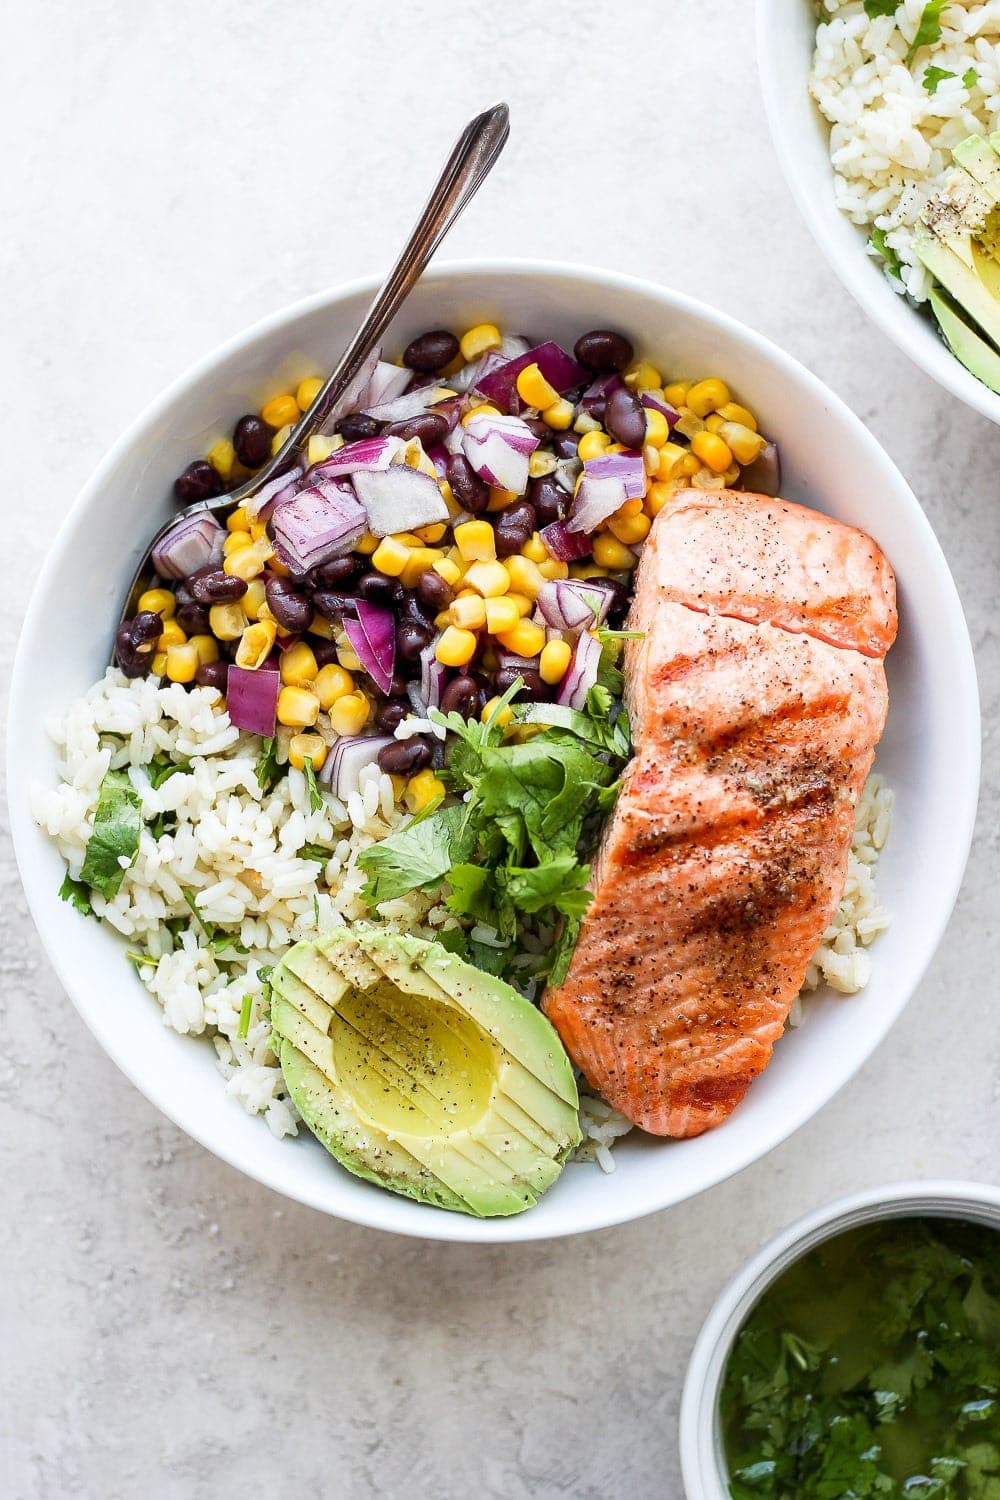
172	172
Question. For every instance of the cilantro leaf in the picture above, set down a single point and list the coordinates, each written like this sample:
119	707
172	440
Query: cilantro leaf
928	28
117	828
318	852
268	770
880	245
970	78
875	8
77	893
161	768
416	857
933	76
315	795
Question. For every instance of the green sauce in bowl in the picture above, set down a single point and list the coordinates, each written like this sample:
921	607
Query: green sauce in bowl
871	1367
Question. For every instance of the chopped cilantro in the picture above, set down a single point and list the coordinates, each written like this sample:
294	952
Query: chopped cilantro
875	8
882	248
268	770
318	852
970	78
77	894
117	826
933	76
246	1011
161	768
315	795
928	28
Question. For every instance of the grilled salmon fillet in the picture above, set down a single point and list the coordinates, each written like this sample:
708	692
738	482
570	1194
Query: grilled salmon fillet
756	695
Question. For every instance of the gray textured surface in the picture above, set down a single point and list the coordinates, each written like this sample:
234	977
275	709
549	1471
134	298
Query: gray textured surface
174	171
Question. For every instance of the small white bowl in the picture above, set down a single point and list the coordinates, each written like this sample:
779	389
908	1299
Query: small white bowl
702	1458
930	752
786	31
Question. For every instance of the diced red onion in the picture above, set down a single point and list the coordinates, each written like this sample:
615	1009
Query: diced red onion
400	499
628	467
763	476
599	390
432	676
606	484
465	378
410	404
574	603
567	472
318	523
252	698
560	370
581	675
260	506
386	383
498	448
565	545
439	456
354	393
512	346
373	453
191	543
652	402
350	754
373	637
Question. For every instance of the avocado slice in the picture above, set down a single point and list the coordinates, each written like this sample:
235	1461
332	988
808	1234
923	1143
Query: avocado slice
978	357
421	1074
975	288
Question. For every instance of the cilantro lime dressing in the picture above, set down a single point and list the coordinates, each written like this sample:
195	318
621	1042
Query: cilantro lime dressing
871	1367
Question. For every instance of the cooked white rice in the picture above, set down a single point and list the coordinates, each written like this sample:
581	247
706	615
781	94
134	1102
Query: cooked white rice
890	137
234	848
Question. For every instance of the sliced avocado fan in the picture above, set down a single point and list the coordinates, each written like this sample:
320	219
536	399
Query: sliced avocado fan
959	243
422	1074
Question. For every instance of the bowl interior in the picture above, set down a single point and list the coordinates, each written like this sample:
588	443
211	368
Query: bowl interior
786	32
929	753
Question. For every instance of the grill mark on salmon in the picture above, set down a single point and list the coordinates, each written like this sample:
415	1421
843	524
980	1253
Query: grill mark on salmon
755	718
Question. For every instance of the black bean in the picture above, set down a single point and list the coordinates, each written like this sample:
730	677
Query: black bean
596	407
461	696
405	757
291	609
566	444
625	418
471	492
534	687
331	604
412	638
134	663
433	591
397	687
603	351
357	426
335	574
213	674
378	589
390	714
539	429
430	427
513	527
146	626
620	599
211	585
252	441
324	651
549	499
199	481
412	607
431	351
193	619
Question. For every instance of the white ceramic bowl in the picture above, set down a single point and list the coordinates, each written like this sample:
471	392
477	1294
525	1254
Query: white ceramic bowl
702	1459
786	31
930	752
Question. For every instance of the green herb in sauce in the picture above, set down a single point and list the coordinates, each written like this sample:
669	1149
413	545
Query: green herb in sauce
872	1368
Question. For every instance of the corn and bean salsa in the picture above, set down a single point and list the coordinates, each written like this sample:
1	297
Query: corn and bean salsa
463	591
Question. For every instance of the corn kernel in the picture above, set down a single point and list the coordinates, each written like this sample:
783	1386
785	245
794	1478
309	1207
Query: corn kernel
367	545
348	657
676	394
503	718
320	447
657	496
278	567
298	666
657	427
433	533
707	479
448	570
422	790
643	376
235	541
731	475
479	340
526	639
502	614
228	621
307	392
593	445
559	415
554	661
158	666
325	629
476	541
746	444
280	411
468	612
714	422
490	579
222	457
500	499
391	556
586	423
522	603
330	683
255	644
244	562
534	389
587	570
524	575
610	553
732	411
349	714
706	396
182	662
398	787
712	451
456	648
280	438
542	462
254	599
535	549
448	496
689	465
171	635
554	568
306	747
670	456
207	648
483	409
629	529
629	508
158	602
297	707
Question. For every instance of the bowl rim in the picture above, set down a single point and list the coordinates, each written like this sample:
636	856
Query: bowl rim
700	1448
889	311
381	1212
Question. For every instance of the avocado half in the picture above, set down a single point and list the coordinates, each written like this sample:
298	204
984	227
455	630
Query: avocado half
422	1074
